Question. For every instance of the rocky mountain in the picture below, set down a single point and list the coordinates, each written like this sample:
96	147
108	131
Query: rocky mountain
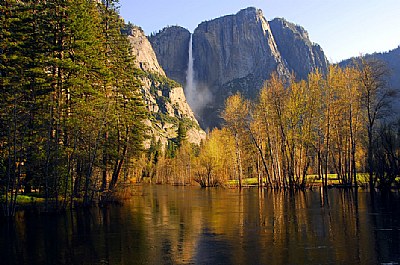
145	57
171	46
235	46
235	53
300	54
392	60
163	97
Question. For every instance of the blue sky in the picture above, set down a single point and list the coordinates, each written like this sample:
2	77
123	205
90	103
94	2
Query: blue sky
343	28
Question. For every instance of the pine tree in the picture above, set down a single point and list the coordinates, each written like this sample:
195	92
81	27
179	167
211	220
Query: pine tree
63	91
124	123
181	134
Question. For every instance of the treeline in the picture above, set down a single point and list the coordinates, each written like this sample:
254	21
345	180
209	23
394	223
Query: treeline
327	124
339	123
71	111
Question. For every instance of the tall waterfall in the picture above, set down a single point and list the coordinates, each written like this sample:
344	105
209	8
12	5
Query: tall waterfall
190	88
197	95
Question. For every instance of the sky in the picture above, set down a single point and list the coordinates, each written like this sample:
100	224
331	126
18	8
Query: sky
343	28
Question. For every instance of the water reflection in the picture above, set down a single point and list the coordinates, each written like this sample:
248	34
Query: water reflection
187	225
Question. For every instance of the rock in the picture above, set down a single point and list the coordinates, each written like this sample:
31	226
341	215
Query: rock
232	47
301	56
196	136
178	99
163	97
145	57
236	53
171	47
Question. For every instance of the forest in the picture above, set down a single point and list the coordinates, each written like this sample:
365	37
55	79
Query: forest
296	134
73	130
71	111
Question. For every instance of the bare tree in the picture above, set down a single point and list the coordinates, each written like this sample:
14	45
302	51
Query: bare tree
235	115
375	99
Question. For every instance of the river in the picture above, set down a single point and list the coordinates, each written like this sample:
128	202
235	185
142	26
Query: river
190	225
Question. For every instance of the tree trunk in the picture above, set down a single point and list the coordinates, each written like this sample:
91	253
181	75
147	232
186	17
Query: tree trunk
117	168
370	162
239	160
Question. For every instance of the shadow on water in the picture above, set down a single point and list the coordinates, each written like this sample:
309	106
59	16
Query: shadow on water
188	225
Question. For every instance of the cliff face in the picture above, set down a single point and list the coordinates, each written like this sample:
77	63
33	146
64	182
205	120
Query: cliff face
142	50
171	46
233	47
236	53
301	56
163	97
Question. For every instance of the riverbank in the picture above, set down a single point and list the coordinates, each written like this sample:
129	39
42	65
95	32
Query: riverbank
164	224
37	202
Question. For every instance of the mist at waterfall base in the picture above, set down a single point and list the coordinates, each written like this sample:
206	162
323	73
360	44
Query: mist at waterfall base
197	95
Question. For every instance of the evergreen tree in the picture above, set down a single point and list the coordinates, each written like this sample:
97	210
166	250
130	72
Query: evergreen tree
64	98
181	134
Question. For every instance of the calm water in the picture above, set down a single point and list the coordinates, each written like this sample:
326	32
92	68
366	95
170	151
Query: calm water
188	225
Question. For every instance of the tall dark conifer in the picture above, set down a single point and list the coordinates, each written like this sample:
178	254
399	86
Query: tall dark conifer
85	97
125	129
70	101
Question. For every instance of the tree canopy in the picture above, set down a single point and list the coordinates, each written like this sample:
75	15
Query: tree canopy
70	102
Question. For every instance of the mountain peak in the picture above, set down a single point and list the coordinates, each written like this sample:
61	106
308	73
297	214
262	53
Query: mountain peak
143	51
163	97
296	29
246	14
250	11
171	46
237	53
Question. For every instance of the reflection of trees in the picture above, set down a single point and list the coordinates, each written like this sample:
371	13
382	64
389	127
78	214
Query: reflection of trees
274	226
384	228
180	225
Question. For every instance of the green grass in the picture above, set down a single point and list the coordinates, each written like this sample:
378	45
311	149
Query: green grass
362	178
247	181
313	179
29	199
25	199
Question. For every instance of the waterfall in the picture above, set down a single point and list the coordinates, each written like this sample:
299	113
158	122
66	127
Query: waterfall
190	88
197	95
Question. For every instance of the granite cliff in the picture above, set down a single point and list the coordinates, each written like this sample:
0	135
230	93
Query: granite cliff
171	46
145	58
300	54
233	47
236	53
163	97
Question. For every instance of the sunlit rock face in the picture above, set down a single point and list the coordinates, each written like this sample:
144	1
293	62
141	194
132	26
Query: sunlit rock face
236	53
145	57
163	97
234	47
